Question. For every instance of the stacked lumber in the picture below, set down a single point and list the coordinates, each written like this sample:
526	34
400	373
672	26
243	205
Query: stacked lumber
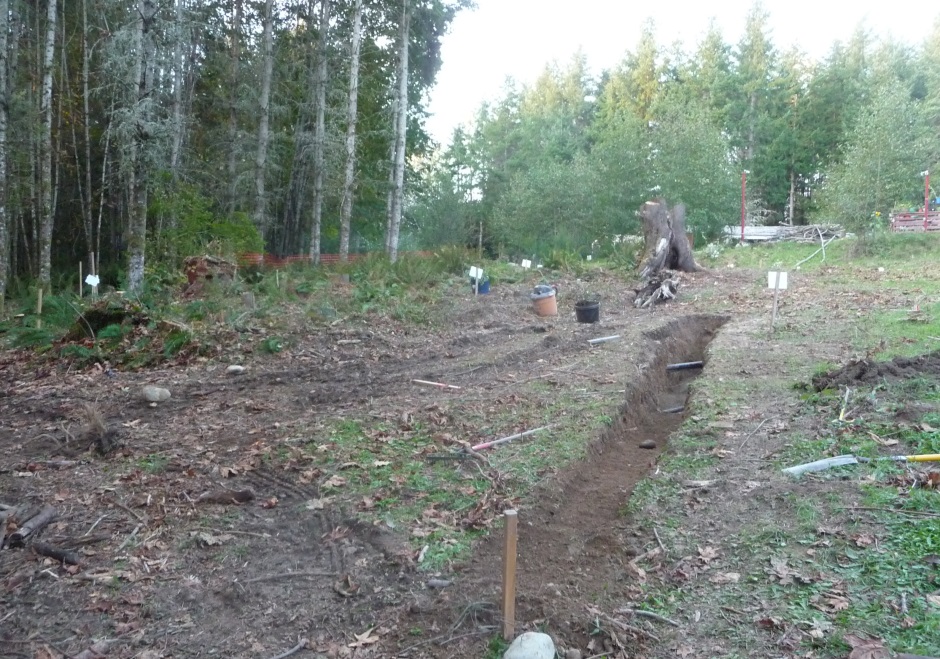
809	233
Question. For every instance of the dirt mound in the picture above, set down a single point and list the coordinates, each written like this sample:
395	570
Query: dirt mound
864	371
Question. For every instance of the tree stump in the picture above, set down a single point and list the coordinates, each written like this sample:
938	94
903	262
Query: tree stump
666	246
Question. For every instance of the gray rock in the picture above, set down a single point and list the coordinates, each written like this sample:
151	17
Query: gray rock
649	443
155	394
531	645
573	654
235	369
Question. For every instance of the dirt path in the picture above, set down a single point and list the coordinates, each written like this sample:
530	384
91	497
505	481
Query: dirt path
324	436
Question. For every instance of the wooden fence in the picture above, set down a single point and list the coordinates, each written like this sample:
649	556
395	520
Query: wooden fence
914	222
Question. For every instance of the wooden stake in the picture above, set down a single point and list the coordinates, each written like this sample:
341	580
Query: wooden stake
773	317
94	271
434	384
509	574
39	308
505	440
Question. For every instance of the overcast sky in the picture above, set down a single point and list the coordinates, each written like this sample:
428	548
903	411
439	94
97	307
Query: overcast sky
517	38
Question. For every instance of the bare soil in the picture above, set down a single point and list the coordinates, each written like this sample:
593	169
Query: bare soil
868	371
165	574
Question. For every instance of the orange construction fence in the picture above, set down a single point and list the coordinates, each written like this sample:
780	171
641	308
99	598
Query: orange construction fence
271	261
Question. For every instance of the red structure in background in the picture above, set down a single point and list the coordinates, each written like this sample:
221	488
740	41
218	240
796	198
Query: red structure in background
915	222
926	199
922	220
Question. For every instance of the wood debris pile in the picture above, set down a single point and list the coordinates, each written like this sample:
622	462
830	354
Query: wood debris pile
660	288
810	233
667	249
199	269
19	525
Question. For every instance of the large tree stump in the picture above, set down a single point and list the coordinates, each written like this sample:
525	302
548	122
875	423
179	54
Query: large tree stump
666	244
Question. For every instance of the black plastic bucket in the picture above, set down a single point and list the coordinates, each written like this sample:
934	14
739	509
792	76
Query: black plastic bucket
587	311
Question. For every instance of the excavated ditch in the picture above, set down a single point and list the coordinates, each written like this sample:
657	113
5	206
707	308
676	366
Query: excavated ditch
574	541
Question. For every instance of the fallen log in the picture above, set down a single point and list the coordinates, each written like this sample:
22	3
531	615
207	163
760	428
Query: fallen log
55	553
32	526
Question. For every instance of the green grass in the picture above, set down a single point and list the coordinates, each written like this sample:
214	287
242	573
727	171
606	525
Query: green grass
153	463
905	332
852	581
651	494
385	474
900	252
783	255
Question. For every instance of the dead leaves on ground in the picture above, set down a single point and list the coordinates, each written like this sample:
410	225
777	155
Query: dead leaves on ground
785	575
830	602
346	587
209	540
705	560
866	648
914	478
367	637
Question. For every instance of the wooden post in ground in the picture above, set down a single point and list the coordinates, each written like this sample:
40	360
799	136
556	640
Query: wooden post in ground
773	316
509	574
39	308
94	272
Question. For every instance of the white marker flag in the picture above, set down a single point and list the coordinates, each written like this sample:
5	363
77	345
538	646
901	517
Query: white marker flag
772	278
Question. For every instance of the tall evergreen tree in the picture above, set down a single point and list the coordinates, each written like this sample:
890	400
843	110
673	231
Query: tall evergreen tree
4	120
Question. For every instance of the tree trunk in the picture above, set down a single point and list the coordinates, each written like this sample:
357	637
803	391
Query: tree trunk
47	211
233	107
86	120
264	123
790	206
752	127
137	229
345	217
177	140
4	117
392	170
666	244
319	139
401	134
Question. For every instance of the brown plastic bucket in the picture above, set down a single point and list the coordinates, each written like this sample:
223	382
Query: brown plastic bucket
545	305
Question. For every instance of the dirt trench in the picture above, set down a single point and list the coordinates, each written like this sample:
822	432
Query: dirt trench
575	542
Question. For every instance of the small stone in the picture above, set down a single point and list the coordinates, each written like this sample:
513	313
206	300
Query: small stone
573	654
235	369
531	645
155	394
648	443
